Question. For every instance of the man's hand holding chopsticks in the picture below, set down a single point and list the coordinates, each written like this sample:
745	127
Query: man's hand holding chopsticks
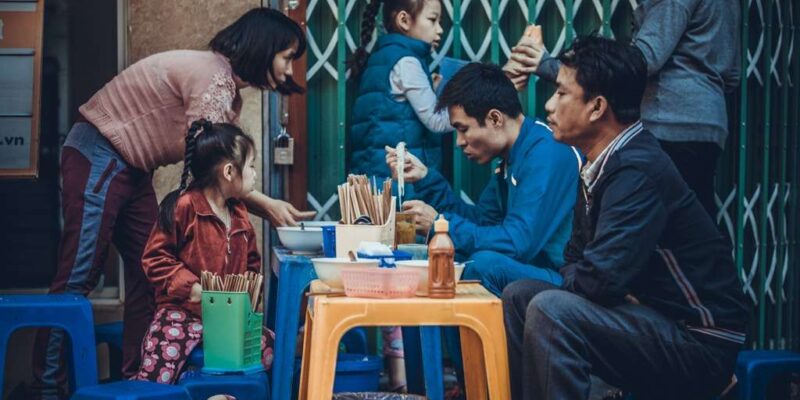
414	169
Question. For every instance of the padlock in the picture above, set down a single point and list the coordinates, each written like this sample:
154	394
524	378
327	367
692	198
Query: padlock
284	149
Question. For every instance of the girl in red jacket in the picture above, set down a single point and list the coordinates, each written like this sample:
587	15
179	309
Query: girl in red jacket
202	226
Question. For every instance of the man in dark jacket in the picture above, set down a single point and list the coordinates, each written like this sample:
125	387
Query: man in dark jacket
650	300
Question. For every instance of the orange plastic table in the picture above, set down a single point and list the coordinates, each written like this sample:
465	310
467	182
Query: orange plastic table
477	313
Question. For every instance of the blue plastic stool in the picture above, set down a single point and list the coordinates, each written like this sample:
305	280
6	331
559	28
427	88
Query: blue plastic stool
72	313
755	370
355	341
111	334
196	358
354	373
296	273
242	386
132	390
357	373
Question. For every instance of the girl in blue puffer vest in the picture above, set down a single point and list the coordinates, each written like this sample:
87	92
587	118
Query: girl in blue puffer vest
395	103
396	97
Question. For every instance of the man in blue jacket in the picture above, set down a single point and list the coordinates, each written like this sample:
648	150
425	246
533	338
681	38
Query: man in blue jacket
650	300
522	221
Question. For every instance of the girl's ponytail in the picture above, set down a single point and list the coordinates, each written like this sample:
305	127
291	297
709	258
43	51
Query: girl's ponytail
166	214
361	54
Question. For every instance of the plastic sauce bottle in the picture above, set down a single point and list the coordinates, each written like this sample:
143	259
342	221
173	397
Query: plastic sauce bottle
441	271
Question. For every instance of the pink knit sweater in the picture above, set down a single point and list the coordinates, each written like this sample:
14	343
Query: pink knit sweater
145	111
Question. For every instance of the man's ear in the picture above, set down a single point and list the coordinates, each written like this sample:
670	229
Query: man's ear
599	108
495	118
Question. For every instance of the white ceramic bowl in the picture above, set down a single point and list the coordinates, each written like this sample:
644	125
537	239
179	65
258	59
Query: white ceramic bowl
329	269
308	240
422	267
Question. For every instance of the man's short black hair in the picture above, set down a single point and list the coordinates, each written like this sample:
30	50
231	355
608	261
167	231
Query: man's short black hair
479	88
608	68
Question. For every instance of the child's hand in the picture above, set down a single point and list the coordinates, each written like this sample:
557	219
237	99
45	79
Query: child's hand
414	170
197	293
437	79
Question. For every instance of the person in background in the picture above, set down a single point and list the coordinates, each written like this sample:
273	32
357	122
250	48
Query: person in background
650	300
130	127
395	103
396	97
692	51
202	226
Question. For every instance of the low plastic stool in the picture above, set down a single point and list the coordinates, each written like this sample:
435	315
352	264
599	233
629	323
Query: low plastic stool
111	335
354	373
242	386
132	390
355	341
477	312
755	370
72	313
196	358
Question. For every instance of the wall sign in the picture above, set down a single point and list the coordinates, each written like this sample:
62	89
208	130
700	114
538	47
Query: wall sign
21	24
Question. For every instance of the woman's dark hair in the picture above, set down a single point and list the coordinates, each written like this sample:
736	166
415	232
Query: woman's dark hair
608	68
252	42
390	10
207	146
479	88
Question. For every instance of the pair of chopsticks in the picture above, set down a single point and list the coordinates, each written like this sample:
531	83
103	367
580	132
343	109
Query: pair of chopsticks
400	150
249	282
358	197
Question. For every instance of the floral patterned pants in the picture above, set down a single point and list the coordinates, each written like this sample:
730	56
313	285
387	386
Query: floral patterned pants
172	336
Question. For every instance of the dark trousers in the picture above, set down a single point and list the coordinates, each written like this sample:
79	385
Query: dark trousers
104	201
697	164
556	339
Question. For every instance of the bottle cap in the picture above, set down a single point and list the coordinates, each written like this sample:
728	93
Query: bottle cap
441	225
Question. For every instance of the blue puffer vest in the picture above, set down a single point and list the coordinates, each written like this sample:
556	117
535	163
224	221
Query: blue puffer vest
379	120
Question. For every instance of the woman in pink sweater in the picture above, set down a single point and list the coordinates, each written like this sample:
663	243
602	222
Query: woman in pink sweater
135	124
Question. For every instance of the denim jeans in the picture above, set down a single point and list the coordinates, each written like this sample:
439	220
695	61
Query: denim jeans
496	271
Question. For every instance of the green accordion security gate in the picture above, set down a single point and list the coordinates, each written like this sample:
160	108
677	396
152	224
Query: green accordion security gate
757	181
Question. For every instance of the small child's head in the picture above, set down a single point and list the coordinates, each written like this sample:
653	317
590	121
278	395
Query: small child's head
418	19
218	156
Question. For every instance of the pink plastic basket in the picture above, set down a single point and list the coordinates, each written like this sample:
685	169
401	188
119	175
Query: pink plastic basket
380	283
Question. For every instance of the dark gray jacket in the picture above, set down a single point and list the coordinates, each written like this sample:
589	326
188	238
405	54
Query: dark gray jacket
641	231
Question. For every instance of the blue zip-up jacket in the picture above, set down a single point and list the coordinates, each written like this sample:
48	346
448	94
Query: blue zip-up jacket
379	120
641	231
525	212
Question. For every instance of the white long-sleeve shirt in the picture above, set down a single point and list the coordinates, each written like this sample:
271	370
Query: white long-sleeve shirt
410	83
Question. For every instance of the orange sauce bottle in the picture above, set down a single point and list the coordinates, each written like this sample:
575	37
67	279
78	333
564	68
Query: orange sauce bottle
441	269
